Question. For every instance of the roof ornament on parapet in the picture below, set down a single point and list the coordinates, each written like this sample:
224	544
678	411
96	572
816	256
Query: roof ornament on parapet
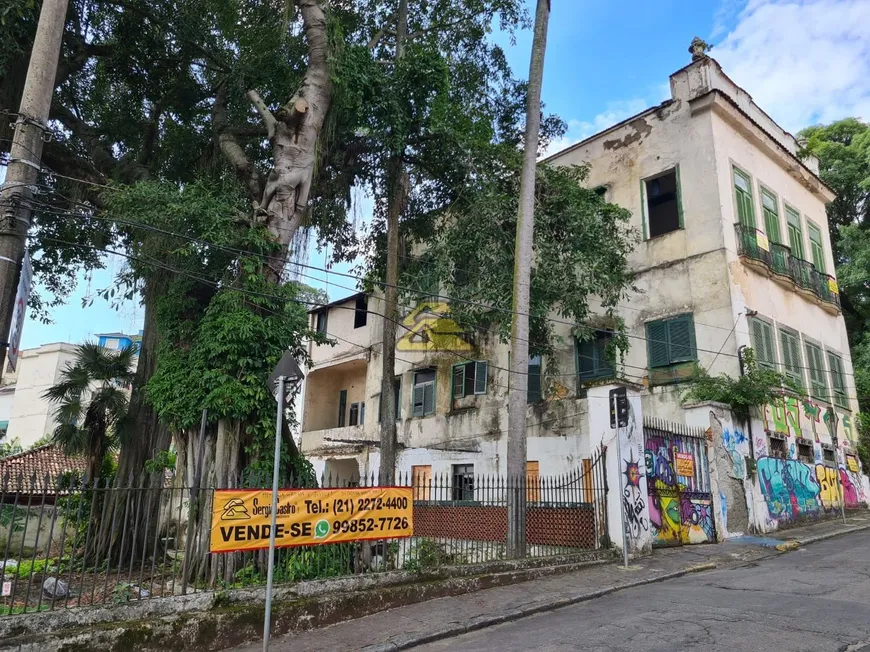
699	48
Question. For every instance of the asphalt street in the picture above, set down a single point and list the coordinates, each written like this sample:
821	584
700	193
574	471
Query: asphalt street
815	599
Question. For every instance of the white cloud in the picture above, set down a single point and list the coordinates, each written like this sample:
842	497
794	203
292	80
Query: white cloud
615	112
803	61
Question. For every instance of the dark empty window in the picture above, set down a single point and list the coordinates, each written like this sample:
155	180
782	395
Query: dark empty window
354	414
469	378
534	390
397	398
829	455
805	451
321	321
463	482
663	203
361	311
592	360
342	407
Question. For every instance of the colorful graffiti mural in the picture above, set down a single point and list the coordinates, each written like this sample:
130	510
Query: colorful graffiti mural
676	513
790	488
811	422
632	500
737	446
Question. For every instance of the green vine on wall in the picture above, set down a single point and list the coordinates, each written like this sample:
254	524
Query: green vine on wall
757	387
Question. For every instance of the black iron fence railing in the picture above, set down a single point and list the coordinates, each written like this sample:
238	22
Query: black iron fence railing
65	543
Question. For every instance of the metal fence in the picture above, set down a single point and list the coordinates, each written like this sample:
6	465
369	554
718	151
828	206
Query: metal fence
69	544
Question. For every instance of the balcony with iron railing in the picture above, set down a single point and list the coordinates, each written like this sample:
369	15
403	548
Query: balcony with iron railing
775	260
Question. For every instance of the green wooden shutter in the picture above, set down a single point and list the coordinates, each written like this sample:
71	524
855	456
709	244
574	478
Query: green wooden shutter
743	194
816	368
657	340
795	233
816	250
534	393
417	400
604	365
762	342
838	383
429	398
791	357
586	359
459	380
681	339
771	215
342	407
397	389
481	373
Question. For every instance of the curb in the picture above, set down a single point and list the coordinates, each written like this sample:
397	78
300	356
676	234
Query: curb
482	622
830	535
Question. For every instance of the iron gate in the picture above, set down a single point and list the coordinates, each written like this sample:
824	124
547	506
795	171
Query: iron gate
678	484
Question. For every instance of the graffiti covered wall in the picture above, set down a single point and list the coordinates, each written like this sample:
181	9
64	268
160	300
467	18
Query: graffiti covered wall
799	471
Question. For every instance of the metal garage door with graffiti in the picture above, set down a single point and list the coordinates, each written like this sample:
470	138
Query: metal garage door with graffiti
678	483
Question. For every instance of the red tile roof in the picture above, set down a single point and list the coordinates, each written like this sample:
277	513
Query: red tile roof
26	472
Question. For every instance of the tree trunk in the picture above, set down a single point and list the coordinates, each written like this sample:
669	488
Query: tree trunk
148	436
397	195
516	446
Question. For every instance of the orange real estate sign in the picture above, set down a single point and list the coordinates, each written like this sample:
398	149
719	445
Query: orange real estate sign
241	518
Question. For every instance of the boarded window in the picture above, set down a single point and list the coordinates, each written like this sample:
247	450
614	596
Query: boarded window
423	396
663	203
361	311
533	482
743	198
592	360
792	364
534	391
763	343
421	481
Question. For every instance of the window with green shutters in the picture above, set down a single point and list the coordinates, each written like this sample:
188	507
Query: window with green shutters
770	207
795	234
534	391
671	341
592	360
816	250
763	343
743	198
792	363
816	372
838	380
469	378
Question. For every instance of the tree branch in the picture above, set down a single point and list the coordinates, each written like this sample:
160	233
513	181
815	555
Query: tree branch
265	113
231	149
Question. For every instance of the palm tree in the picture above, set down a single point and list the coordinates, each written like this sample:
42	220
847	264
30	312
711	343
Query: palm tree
92	400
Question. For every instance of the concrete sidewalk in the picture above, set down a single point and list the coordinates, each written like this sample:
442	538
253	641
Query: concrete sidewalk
406	627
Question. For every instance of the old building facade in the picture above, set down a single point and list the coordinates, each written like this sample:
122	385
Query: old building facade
734	253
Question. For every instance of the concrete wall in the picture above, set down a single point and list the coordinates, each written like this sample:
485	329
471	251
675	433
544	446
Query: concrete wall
349	341
31	416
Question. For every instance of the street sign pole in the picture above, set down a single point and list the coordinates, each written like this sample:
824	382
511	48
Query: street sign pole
616	423
267	621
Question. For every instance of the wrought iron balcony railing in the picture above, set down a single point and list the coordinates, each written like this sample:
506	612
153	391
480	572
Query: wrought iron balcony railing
754	245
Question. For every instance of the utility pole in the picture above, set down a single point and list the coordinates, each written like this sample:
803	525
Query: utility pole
519	364
25	157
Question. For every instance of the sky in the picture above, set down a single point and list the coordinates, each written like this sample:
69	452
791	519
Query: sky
803	61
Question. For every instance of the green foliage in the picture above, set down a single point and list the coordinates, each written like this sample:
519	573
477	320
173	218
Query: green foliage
162	461
299	564
428	555
10	447
12	516
26	567
91	402
473	255
757	387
